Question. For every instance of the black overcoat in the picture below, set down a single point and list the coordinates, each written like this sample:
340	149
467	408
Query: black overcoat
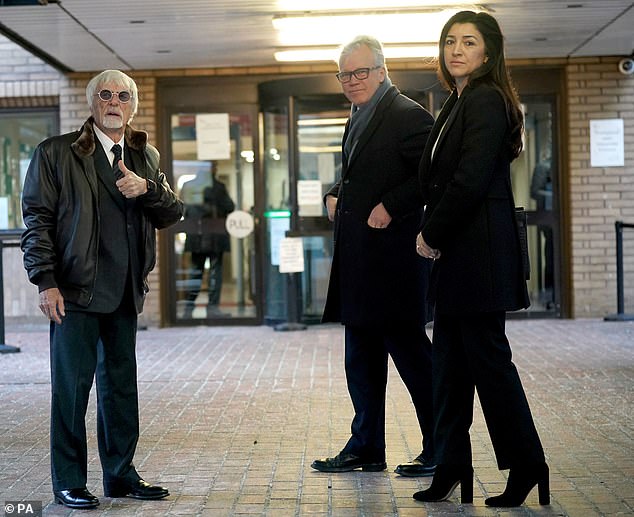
469	215
206	229
377	279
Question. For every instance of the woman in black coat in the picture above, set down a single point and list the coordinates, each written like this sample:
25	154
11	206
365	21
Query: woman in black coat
469	229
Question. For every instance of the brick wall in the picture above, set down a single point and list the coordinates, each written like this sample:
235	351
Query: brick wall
24	75
598	196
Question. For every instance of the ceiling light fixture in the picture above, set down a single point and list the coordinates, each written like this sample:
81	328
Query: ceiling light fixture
352	5
332	53
333	29
314	122
314	30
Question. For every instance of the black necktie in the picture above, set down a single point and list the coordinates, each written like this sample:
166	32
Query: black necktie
116	149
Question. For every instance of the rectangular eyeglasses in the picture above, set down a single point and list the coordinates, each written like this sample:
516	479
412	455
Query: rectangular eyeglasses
359	73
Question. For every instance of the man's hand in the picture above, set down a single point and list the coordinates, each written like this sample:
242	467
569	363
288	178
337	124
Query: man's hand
423	249
331	207
379	218
52	304
130	185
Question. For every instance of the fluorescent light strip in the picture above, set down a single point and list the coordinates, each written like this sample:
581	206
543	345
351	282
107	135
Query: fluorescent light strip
332	54
335	5
313	54
336	29
322	122
320	149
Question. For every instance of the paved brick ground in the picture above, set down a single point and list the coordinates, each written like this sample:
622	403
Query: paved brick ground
231	419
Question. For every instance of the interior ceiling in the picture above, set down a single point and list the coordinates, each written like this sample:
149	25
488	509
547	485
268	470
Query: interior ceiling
89	35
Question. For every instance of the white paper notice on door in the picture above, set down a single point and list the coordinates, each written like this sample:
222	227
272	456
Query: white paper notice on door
291	255
309	192
309	198
212	136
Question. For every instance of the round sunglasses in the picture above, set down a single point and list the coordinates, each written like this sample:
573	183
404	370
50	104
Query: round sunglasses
106	95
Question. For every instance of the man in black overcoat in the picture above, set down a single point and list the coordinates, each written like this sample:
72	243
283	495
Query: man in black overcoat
378	282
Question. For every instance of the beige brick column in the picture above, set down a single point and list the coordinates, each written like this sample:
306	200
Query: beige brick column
599	196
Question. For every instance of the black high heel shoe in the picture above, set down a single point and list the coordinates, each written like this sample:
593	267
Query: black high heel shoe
521	481
446	479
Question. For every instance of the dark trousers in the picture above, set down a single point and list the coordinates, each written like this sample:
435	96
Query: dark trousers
214	283
471	352
366	363
91	345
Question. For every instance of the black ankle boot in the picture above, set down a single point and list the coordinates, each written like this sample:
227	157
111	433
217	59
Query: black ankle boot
446	479
521	481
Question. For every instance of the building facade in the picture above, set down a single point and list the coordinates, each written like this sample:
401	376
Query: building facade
589	199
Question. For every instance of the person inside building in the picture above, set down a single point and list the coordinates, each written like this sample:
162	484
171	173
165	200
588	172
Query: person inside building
207	205
469	230
378	283
542	193
92	201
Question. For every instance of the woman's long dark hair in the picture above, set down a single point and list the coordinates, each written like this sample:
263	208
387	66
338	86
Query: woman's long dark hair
493	72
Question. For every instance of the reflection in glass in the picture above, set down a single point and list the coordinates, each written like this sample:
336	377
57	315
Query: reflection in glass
277	210
20	133
320	132
206	202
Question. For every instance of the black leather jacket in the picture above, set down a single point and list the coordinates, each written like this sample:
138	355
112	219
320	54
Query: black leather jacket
61	215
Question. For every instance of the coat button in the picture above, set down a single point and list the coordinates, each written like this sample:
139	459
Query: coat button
346	181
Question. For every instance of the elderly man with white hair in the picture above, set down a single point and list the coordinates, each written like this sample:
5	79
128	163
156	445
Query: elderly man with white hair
92	201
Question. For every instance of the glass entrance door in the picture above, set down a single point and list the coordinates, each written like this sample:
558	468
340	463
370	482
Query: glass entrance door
320	127
535	178
302	160
214	275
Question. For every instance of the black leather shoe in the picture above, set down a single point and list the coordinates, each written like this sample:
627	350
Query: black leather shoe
418	468
344	462
79	498
136	489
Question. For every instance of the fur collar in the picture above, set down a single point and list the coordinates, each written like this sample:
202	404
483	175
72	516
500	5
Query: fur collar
85	144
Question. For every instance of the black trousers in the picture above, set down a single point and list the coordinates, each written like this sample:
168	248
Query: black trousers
91	345
471	352
366	364
214	282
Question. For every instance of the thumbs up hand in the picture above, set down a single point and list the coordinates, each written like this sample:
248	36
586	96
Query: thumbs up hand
130	185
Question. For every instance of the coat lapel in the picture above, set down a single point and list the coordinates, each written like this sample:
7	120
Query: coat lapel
445	121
